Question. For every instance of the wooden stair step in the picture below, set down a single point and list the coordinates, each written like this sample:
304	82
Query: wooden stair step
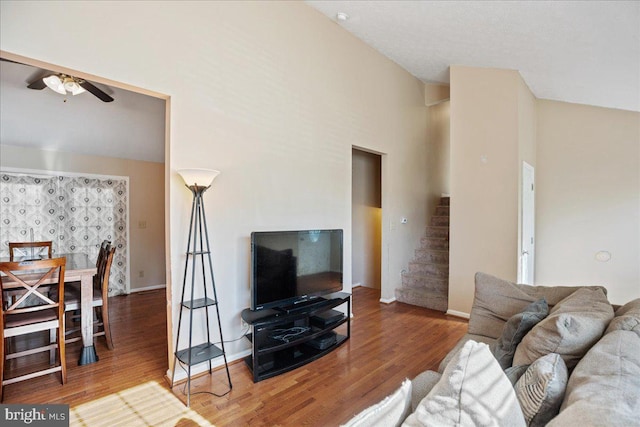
445	201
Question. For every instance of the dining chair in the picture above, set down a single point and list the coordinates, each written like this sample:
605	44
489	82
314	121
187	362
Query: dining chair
31	311
29	249
100	301
100	262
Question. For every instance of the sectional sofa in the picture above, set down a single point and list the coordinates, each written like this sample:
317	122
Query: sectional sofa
532	356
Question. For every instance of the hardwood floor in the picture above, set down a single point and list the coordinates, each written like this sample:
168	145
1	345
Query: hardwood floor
138	325
388	344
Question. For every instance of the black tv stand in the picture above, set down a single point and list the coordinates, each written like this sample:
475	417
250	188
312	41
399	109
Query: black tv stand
303	305
272	355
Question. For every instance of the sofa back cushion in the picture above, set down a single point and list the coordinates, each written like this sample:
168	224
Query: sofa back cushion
572	327
604	388
627	318
496	300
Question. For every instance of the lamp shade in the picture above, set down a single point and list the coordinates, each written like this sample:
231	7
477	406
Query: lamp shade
199	177
54	83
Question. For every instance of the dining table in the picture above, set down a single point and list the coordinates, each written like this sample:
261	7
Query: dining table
78	268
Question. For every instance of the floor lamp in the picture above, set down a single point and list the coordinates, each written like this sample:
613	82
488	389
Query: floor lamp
198	181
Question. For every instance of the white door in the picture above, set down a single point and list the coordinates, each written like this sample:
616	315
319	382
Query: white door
527	236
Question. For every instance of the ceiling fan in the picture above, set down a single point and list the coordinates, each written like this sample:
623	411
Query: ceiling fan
64	84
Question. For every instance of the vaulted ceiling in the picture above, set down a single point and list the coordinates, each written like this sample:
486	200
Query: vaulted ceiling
585	52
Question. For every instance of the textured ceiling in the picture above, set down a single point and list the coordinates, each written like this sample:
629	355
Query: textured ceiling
585	52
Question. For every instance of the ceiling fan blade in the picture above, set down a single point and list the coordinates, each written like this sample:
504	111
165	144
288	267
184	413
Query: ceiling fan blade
97	92
8	60
37	84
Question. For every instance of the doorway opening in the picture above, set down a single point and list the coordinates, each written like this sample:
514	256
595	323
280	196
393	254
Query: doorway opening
366	219
148	243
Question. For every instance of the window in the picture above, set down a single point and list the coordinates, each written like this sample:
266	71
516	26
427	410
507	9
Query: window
75	212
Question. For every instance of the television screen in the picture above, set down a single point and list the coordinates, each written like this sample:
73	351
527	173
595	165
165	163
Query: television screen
293	266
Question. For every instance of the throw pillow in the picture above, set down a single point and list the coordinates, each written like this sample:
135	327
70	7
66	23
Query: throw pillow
473	391
390	412
515	329
541	389
627	318
572	327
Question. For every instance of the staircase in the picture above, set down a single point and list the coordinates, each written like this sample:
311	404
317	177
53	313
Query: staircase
426	284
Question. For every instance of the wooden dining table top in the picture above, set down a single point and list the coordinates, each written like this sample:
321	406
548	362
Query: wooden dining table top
77	265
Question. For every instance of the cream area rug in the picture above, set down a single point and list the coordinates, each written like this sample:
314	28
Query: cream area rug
146	405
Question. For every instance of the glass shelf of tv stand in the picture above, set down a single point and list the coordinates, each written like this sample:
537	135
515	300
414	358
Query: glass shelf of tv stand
270	345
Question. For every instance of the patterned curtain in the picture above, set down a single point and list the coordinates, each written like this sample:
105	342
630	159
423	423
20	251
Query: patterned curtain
76	213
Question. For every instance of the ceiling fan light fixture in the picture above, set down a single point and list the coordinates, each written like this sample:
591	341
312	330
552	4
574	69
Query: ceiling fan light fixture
54	83
72	86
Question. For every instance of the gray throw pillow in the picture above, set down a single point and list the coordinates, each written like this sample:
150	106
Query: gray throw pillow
571	328
541	389
515	329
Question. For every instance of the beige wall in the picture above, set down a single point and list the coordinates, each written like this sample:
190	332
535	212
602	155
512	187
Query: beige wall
588	197
366	219
274	95
439	168
146	201
487	107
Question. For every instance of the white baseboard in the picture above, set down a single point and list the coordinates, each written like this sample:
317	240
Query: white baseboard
356	285
458	314
203	367
147	288
387	300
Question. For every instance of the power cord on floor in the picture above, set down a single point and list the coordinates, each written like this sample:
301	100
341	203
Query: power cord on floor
184	387
182	366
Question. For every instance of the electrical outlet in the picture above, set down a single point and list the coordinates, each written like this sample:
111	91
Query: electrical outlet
141	273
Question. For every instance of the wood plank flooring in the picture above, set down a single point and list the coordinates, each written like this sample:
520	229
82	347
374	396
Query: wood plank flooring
388	343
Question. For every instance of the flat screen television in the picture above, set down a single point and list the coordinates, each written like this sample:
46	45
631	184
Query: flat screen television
289	268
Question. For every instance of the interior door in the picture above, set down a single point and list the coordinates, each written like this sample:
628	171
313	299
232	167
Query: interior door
527	235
